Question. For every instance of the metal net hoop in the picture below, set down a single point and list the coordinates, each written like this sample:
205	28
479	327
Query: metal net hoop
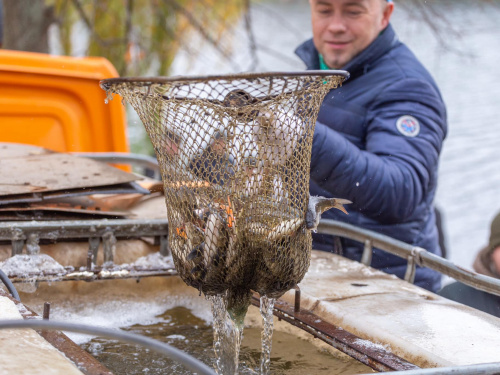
234	153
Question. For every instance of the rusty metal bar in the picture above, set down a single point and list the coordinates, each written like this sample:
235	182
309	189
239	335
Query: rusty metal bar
296	307
109	245
16	232
97	273
92	253
17	247
151	80
46	310
371	355
84	361
72	229
17	241
164	246
32	246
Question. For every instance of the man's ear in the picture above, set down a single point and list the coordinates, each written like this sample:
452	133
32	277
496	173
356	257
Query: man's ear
389	8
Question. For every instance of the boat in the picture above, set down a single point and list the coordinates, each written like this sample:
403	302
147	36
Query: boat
97	231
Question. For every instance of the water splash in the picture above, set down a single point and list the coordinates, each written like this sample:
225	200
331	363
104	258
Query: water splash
266	310
227	337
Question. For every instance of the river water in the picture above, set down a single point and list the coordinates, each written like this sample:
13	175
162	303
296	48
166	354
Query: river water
463	59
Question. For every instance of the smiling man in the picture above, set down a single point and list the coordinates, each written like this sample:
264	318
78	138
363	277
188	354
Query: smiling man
378	137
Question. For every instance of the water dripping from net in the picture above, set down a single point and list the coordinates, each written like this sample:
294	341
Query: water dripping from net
109	96
266	311
227	338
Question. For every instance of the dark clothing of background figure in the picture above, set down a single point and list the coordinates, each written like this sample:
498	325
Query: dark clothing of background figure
469	296
475	298
485	265
359	154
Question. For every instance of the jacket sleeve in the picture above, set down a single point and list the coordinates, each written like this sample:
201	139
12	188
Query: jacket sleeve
394	173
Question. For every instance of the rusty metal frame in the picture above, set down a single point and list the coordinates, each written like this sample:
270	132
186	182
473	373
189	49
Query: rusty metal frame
96	230
248	76
374	356
93	230
82	229
96	273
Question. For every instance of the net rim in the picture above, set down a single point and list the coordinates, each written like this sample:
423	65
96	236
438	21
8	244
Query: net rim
106	83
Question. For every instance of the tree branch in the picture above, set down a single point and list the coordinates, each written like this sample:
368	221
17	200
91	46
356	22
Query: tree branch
251	37
201	29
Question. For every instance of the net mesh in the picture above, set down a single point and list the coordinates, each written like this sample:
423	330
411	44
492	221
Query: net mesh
234	153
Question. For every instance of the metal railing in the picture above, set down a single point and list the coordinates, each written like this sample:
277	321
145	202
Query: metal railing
20	232
413	254
479	369
138	160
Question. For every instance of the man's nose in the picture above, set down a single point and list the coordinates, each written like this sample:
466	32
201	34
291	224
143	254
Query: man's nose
337	23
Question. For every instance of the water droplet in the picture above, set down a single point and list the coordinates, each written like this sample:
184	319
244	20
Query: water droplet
109	96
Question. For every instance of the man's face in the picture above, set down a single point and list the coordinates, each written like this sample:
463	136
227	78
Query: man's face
344	28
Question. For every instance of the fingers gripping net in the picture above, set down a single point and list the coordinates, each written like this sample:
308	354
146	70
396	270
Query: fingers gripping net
234	152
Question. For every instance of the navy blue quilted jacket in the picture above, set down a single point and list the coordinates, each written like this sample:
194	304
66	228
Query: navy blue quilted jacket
377	143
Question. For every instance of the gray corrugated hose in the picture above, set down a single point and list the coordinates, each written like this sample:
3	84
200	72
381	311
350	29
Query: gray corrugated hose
175	354
10	287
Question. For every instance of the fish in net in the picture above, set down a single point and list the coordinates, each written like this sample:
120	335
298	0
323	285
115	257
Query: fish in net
234	153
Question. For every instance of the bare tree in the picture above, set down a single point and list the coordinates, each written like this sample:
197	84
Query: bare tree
25	25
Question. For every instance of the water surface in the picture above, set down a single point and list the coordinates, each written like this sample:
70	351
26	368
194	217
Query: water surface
180	328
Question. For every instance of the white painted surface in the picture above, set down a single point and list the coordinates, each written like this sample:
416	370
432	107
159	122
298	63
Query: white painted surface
415	324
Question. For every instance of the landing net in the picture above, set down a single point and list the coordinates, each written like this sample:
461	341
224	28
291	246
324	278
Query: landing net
234	153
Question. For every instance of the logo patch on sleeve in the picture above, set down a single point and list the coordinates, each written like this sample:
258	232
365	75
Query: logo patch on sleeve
408	126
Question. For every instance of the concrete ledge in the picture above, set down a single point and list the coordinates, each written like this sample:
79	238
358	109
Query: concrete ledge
24	351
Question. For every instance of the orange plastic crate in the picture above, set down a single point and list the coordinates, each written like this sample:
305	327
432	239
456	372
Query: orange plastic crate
56	102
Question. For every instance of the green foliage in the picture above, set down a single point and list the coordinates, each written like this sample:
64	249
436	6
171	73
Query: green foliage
136	35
